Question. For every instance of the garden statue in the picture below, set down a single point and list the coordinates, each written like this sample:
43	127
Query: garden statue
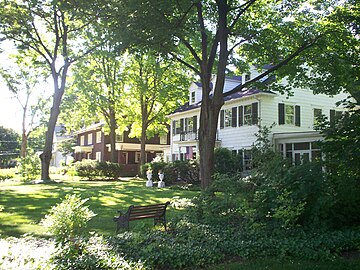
161	183
149	182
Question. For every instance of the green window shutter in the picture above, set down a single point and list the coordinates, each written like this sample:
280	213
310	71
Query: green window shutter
222	116
234	117
195	123
281	113
255	114
332	117
181	125
297	115
241	116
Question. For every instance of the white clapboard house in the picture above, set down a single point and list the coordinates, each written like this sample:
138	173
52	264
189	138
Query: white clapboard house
243	112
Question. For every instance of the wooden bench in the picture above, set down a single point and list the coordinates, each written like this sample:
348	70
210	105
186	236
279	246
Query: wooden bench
155	211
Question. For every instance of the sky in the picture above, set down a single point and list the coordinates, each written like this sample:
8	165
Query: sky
10	109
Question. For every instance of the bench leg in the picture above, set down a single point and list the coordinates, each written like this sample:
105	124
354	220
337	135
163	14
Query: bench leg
121	222
160	219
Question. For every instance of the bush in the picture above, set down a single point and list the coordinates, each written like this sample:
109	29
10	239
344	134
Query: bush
67	220
30	166
92	169
226	162
7	174
187	171
87	168
109	170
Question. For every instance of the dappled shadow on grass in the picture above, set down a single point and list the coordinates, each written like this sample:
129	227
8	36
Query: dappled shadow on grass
26	204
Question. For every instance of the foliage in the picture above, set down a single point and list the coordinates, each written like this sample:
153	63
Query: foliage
195	245
227	162
26	252
186	246
341	148
6	174
67	220
29	167
182	170
93	169
9	145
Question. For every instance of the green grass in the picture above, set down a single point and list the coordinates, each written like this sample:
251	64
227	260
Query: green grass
25	205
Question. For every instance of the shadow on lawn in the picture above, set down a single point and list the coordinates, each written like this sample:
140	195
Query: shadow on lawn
26	205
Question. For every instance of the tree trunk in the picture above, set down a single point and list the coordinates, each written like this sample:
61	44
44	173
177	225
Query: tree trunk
24	138
210	106
47	152
46	155
143	143
113	154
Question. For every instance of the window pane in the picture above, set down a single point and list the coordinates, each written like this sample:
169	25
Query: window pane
301	146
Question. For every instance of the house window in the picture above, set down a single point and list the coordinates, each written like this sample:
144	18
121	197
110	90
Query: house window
90	142
189	124
82	140
317	116
248	114
163	139
247	160
137	157
178	126
98	156
301	152
335	116
192	98
119	137
289	114
98	137
228	117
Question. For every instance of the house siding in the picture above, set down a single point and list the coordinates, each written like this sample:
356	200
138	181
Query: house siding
242	136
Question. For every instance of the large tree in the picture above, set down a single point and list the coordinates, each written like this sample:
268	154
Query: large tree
22	80
51	31
98	89
261	32
156	88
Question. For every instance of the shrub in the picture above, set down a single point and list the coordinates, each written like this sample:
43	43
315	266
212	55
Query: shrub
87	169
7	174
30	166
187	170
226	162
92	169
109	170
68	219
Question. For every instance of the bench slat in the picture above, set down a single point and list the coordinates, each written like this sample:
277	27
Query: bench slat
156	211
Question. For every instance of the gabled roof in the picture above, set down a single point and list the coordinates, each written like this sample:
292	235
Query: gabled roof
234	96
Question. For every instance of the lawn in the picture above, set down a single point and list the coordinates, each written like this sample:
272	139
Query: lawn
24	205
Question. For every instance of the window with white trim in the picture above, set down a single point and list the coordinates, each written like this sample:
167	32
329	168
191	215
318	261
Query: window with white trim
90	142
98	137
137	157
289	114
317	116
119	137
247	159
192	97
98	156
248	114
82	140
